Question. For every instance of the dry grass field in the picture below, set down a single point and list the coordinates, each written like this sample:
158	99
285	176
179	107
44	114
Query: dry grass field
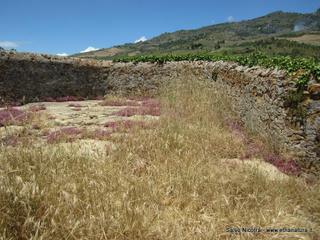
313	39
115	169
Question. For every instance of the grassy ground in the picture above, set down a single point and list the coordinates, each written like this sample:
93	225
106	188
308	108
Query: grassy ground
179	179
313	39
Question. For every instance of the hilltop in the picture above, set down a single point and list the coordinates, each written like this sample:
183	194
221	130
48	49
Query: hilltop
279	32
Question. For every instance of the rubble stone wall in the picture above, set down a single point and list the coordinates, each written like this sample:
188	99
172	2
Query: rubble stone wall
260	96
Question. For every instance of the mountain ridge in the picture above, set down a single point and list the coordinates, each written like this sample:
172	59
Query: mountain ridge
276	28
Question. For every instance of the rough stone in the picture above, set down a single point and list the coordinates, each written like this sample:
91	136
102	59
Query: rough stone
314	90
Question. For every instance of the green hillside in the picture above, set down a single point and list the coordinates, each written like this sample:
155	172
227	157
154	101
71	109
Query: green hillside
275	33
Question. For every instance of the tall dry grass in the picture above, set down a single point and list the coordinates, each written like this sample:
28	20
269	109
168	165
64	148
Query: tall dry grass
170	182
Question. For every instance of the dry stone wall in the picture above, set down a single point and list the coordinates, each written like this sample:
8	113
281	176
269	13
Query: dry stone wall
29	77
260	96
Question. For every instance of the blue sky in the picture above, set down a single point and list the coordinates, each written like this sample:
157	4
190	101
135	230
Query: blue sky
70	26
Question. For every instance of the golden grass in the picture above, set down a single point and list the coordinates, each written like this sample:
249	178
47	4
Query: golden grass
164	183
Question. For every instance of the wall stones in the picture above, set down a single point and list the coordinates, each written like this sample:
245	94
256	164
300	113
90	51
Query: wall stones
258	95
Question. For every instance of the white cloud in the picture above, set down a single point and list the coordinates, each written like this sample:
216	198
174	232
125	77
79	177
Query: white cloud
142	39
62	54
230	19
8	44
89	49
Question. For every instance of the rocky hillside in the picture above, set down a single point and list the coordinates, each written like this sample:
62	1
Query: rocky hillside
275	33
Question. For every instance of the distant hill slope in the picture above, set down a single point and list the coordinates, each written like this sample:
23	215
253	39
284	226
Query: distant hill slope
275	33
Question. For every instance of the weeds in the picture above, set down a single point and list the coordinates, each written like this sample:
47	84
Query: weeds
70	134
285	165
67	134
99	134
165	183
129	111
126	125
75	105
118	101
37	108
11	116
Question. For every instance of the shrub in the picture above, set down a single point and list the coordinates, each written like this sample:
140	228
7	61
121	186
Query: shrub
307	67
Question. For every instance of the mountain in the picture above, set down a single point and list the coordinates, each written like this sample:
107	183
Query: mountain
276	33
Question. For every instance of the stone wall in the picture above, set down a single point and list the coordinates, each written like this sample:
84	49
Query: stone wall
260	96
31	77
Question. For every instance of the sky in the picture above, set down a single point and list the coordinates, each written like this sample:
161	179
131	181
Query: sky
71	26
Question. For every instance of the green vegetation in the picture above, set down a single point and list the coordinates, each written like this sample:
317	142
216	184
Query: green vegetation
302	69
275	47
